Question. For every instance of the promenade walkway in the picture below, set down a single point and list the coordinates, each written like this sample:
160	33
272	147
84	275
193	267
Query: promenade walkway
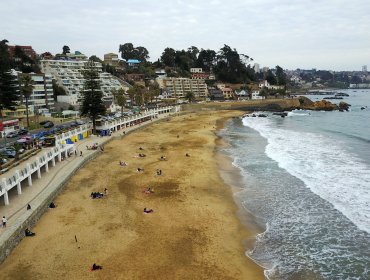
16	212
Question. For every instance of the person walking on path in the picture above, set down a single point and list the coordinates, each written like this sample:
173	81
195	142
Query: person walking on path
4	221
80	153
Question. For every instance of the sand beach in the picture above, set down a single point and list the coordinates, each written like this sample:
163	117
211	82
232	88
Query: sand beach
193	233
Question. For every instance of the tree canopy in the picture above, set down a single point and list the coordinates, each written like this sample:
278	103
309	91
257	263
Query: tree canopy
128	51
92	95
8	82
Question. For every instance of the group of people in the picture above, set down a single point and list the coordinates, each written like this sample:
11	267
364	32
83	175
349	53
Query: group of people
95	195
159	172
122	163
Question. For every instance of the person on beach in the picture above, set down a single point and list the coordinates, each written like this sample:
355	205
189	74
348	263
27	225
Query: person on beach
29	233
52	205
142	155
140	169
159	172
80	153
105	191
148	211
96	267
4	221
187	155
163	158
28	207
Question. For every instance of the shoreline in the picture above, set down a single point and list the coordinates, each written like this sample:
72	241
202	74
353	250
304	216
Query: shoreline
232	178
192	234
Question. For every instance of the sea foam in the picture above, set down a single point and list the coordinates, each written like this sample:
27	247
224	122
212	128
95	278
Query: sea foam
325	166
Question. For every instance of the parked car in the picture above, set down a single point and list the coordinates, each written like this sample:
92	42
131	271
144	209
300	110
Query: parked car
3	160
8	154
22	131
12	134
48	124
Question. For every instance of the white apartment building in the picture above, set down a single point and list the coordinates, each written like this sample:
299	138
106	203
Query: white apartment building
196	70
255	95
178	87
42	94
69	75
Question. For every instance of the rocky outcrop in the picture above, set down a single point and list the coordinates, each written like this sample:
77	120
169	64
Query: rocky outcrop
343	106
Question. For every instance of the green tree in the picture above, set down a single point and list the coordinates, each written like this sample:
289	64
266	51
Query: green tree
66	50
190	96
270	77
95	59
206	60
58	90
92	95
8	82
168	57
281	76
128	51
120	98
26	89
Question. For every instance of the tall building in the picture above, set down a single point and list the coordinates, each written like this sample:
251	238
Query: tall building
256	68
178	87
364	68
68	74
111	59
42	96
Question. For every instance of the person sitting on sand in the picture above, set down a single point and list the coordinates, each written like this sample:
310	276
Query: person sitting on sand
148	191
159	172
163	158
140	169
122	163
96	267
142	155
29	233
147	211
187	155
52	205
141	148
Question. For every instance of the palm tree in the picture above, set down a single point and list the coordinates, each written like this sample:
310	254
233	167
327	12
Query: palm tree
26	88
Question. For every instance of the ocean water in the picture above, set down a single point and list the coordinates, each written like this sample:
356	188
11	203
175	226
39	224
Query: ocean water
306	179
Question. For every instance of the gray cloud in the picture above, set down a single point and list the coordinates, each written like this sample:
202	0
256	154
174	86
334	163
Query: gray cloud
324	34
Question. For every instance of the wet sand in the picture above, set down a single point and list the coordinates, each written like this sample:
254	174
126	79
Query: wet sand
193	233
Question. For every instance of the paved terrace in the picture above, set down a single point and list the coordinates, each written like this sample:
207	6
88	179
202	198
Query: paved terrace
48	182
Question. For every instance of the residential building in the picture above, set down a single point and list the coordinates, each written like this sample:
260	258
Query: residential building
266	84
42	95
69	75
226	91
255	95
77	56
256	68
135	77
111	59
134	63
216	94
241	94
364	68
28	50
196	70
200	76
178	87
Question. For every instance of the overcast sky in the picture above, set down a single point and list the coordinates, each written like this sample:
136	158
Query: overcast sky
322	34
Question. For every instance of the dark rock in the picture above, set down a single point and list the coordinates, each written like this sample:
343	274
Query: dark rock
344	106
